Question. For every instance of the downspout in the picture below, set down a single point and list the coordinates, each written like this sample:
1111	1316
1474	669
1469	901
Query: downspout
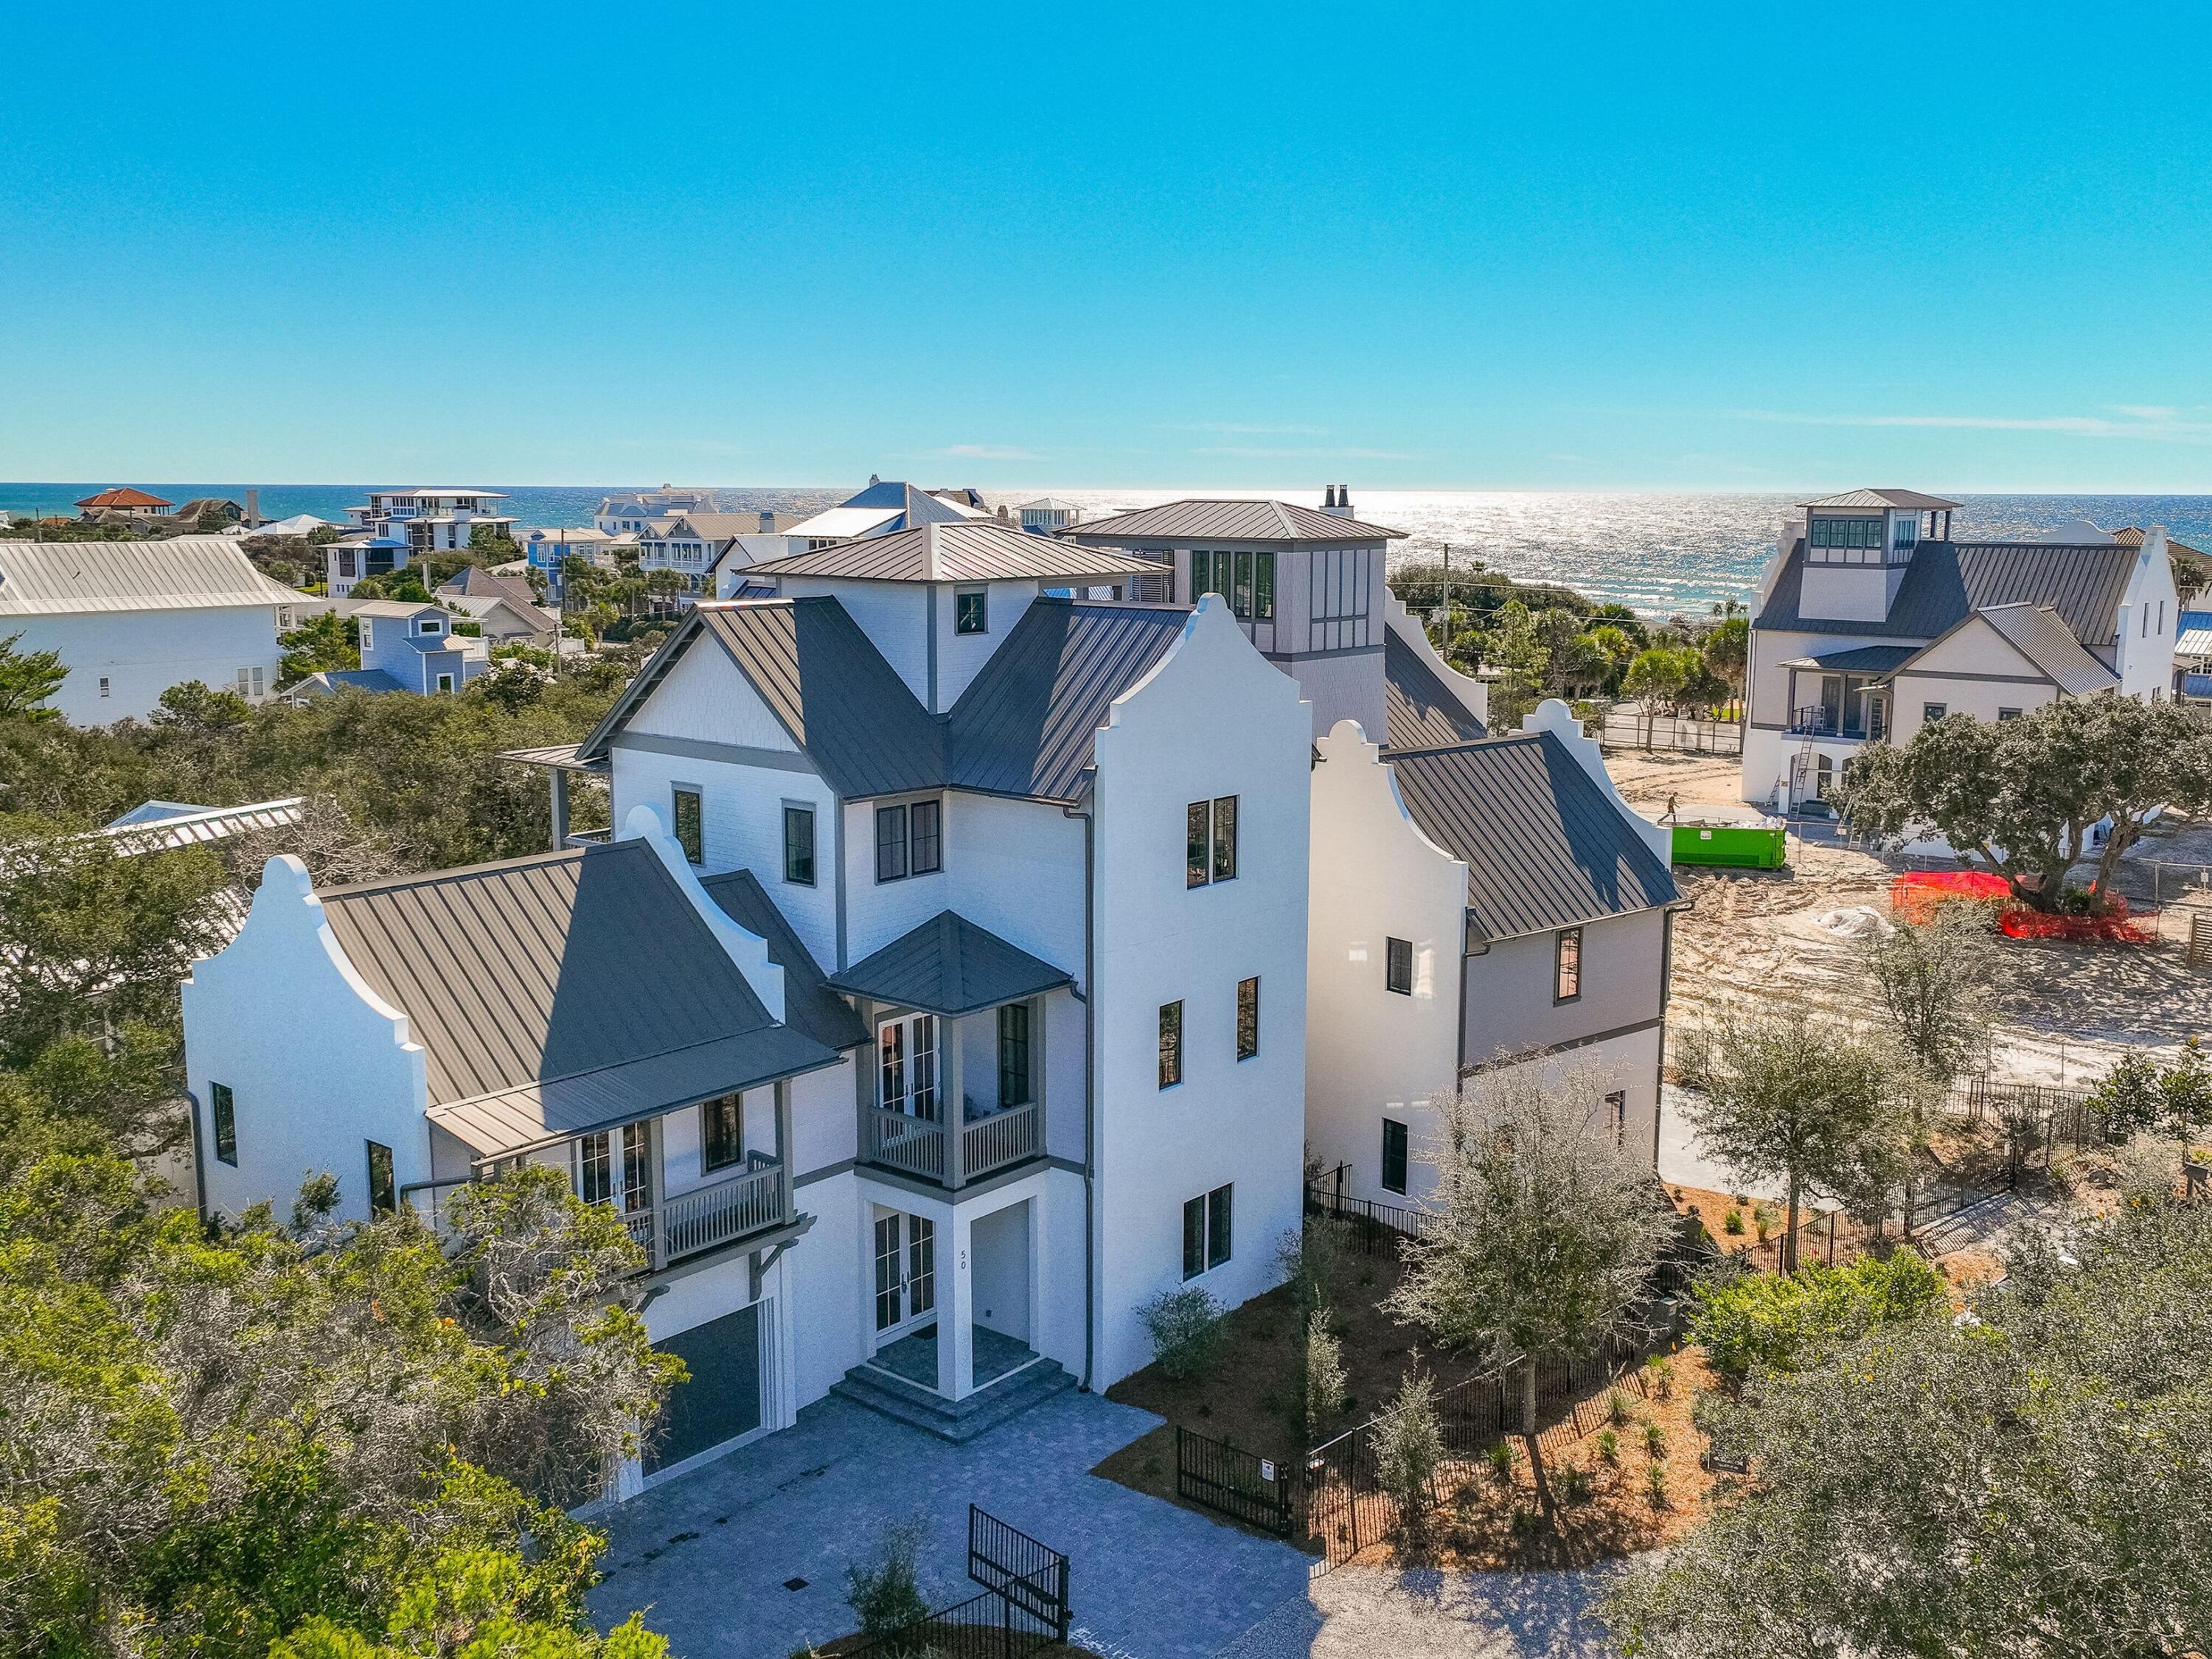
199	1164
1089	1091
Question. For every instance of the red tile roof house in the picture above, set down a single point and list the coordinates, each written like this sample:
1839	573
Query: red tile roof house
133	503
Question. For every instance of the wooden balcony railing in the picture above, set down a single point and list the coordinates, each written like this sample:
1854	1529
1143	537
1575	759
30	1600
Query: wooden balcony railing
706	1217
919	1145
992	1143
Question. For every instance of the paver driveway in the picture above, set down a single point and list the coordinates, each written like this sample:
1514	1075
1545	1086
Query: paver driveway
707	1555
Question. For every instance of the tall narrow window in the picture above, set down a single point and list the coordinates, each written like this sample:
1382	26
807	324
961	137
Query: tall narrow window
799	845
890	843
1394	1156
1248	1018
1170	1044
1193	1238
1398	966
721	1132
1225	838
1616	1112
1014	1055
926	819
1217	1226
595	1173
1263	587
637	1169
1199	840
223	1109
1567	965
690	823
1241	600
920	1264
383	1189
1202	575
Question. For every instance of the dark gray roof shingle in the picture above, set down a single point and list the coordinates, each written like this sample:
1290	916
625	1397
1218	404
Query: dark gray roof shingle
809	1004
525	982
1946	581
1545	847
949	966
1028	725
1423	714
1202	520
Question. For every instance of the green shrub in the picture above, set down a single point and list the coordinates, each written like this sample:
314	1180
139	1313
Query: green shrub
1575	1483
1185	1327
1617	1410
1763	1217
1608	1445
1324	1370
1655	1482
1782	1320
1654	1441
1659	1374
884	1593
1732	1223
1409	1443
1527	1523
1505	1458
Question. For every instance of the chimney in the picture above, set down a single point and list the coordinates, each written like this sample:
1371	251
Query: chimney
768	522
1337	501
253	509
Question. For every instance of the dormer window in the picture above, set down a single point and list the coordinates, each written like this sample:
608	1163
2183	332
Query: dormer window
431	625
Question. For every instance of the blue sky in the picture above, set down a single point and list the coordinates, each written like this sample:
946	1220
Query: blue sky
1962	247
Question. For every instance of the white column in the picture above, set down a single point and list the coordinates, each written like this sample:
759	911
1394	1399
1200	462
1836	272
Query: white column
956	1311
951	1102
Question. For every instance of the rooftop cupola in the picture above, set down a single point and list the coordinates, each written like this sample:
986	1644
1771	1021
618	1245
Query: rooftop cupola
1858	546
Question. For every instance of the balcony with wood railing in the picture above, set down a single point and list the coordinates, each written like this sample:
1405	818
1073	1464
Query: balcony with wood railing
988	1143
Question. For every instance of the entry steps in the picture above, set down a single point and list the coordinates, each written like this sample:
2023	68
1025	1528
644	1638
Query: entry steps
957	1420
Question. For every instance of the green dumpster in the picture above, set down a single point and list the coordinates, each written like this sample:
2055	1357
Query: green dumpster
1757	845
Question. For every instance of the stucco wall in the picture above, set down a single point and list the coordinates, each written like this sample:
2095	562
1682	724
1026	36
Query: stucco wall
1374	877
1229	1122
1509	988
961	657
894	615
308	1090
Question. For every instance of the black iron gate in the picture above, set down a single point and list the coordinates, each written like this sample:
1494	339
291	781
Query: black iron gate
1031	1575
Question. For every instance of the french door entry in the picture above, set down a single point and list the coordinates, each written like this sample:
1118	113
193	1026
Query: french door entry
906	1066
906	1271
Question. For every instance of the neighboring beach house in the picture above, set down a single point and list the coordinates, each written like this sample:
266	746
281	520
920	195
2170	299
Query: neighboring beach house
1871	620
692	544
132	619
547	550
883	508
942	1002
122	503
404	647
504	607
630	513
397	527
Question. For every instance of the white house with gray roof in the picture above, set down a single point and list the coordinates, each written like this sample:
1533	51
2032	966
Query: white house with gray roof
132	619
1872	620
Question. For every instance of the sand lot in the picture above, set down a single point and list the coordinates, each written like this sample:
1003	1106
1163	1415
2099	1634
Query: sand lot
2068	1009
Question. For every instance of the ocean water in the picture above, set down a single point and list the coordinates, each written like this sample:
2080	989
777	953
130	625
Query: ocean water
1660	553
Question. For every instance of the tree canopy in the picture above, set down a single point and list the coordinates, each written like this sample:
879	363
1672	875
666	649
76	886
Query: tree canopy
27	679
2027	1480
2018	797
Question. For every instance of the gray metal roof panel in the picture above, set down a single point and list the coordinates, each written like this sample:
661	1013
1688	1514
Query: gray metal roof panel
517	974
825	680
809	1004
965	550
1912	499
1947	580
2037	633
1027	724
1858	659
1199	520
949	966
1545	847
185	573
1422	712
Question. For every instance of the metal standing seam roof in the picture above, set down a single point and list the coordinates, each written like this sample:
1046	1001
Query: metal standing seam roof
2037	633
1422	712
969	550
1027	724
1908	499
373	680
1545	847
1945	581
949	966
562	992
1858	659
1198	520
159	825
809	1005
185	572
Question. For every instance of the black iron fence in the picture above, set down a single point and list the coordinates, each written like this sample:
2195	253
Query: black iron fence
1619	727
1370	1227
1023	1608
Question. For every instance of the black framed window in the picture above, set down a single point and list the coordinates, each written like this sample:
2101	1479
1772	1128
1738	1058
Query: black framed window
1932	712
890	843
1263	587
1616	1113
1394	1156
1206	1231
1240	599
2008	713
224	1110
1248	1018
1202	578
722	1132
1170	1044
383	1188
1398	966
1210	841
926	825
799	845
1014	1055
1567	965
690	823
971	612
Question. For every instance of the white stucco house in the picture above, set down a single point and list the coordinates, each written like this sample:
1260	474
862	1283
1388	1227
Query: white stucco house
396	527
1871	620
941	1001
132	619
